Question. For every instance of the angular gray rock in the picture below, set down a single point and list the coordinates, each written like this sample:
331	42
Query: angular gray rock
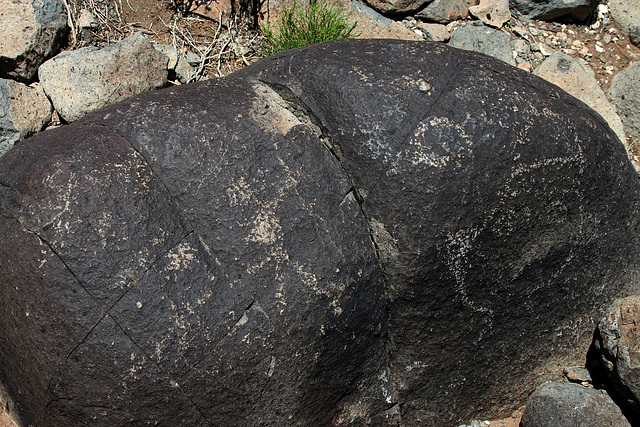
485	40
445	11
577	374
32	31
492	12
396	6
577	78
184	71
326	236
435	32
171	53
626	15
24	110
624	93
617	341
86	79
371	13
552	9
571	405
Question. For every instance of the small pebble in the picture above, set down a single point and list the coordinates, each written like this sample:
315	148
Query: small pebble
525	66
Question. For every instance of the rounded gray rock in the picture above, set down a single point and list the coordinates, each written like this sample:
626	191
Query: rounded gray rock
576	77
484	40
89	78
626	14
571	405
625	96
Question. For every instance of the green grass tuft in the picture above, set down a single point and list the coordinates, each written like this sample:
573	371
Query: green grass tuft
300	25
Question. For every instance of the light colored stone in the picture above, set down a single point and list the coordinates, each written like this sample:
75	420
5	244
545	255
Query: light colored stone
521	47
626	14
625	95
84	80
24	110
492	12
546	50
87	20
370	24
396	6
524	66
571	405
435	32
371	13
193	59
578	79
446	11
171	53
484	40
32	31
184	71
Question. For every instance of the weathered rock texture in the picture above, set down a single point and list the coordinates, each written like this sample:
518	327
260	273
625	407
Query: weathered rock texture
626	14
24	110
397	6
579	80
327	236
617	342
571	405
32	31
551	9
445	11
435	32
492	12
625	95
86	79
483	40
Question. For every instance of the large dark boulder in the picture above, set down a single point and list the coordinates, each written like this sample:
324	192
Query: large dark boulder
354	232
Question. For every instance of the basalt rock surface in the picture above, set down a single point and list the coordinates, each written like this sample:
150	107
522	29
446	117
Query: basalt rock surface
359	231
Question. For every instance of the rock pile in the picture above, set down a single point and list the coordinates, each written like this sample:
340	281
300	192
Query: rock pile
72	83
